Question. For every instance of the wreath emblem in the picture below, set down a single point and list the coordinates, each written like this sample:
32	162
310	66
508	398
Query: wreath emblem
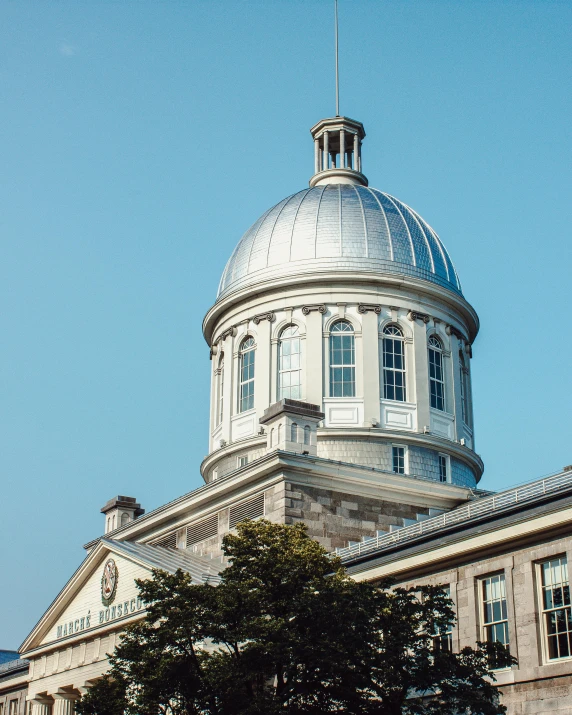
109	582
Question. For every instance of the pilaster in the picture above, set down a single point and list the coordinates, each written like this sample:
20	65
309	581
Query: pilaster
313	358
370	362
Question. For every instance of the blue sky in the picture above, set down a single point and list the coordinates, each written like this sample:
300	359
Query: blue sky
140	140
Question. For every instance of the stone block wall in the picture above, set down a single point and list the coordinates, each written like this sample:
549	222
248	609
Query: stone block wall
536	684
336	518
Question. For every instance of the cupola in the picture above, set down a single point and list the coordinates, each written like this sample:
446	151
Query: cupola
337	152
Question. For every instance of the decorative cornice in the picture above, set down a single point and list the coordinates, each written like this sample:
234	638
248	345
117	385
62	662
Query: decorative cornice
366	307
413	315
270	316
451	330
320	307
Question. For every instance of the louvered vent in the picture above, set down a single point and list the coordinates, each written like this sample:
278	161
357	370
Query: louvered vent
167	542
203	530
251	509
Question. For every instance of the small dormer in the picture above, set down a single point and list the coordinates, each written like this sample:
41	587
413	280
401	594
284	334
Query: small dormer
119	511
291	426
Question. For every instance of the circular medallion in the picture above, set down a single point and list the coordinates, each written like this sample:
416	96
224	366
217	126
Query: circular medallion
109	582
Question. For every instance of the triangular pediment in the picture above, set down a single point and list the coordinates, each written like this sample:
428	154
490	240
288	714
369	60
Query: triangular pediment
102	593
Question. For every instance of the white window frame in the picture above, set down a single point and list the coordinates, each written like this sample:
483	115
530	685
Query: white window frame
405	449
490	624
438	350
447	458
398	337
242	460
290	371
242	353
545	611
335	366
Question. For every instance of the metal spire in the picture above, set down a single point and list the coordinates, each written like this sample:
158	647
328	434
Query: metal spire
337	71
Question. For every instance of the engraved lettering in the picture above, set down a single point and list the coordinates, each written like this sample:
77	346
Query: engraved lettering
113	609
76	625
132	605
107	614
88	619
119	609
81	624
101	616
60	629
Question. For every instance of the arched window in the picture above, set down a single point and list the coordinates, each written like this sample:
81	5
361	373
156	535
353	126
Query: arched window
272	437
307	434
124	518
289	365
436	376
393	364
246	367
220	389
342	360
280	433
293	432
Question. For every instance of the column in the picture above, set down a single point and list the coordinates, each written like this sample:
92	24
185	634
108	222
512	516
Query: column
358	159
326	150
313	358
226	346
63	704
316	156
421	375
456	386
370	362
356	151
262	367
342	149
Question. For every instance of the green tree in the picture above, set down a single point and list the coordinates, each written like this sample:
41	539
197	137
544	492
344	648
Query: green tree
287	631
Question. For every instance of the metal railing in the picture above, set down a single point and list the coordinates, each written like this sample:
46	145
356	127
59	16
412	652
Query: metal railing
462	514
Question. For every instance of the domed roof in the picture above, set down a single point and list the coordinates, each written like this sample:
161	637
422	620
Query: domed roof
338	228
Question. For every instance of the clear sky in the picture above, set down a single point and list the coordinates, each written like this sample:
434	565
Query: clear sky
140	139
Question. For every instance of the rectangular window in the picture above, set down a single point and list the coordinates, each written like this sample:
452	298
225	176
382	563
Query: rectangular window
495	616
246	399
443	640
557	615
243	461
443	468
398	456
13	707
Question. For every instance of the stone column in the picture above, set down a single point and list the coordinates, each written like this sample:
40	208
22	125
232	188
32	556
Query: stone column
316	156
313	358
456	386
342	149
262	363
226	346
356	151
421	371
370	361
63	704
326	150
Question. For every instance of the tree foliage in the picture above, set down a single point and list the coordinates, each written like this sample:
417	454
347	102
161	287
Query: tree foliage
287	631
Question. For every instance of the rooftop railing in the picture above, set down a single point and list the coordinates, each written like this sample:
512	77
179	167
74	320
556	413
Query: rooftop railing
473	510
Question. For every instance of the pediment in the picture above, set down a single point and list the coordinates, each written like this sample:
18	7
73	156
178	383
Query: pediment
92	601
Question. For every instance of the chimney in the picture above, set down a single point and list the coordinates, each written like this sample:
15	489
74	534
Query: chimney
120	511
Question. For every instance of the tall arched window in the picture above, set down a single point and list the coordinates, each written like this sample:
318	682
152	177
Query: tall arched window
246	367
289	365
342	360
307	434
220	389
124	518
436	376
393	364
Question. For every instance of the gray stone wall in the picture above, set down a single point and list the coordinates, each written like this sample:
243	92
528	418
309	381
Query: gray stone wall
537	684
336	518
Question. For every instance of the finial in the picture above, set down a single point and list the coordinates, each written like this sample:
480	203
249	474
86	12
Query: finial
337	56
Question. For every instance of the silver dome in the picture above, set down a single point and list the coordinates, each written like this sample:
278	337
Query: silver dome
342	228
